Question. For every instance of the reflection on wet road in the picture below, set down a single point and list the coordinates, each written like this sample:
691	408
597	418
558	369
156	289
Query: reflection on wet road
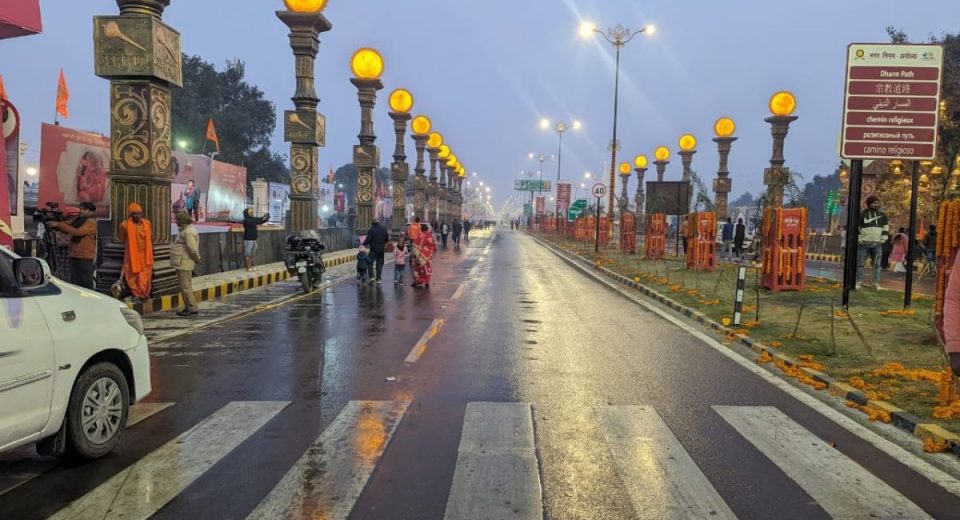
515	387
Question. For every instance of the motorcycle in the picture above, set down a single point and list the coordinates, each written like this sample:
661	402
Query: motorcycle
304	259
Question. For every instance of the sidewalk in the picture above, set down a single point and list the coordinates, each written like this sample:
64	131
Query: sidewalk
216	286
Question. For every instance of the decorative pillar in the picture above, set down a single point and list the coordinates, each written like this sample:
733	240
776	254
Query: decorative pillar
303	127
639	199
401	101
776	177
140	55
722	184
419	180
661	169
367	66
686	157
442	195
431	194
624	181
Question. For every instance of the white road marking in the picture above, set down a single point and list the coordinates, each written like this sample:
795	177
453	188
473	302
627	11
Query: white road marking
328	479
421	346
842	487
459	291
496	474
142	411
661	478
895	451
149	484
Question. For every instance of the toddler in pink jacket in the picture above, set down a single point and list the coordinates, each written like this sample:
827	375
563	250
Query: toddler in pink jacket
400	254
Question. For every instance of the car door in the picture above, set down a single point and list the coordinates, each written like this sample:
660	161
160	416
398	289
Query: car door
26	362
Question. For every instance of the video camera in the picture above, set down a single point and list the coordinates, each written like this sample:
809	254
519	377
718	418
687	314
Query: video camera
51	213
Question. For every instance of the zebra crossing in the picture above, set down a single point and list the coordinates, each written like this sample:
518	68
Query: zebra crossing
497	472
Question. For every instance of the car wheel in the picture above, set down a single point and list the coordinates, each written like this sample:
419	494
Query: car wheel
98	410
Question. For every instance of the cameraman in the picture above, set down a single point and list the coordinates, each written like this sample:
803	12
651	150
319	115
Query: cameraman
83	247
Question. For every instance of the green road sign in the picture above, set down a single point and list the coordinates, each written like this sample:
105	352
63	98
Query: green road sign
527	209
576	209
531	185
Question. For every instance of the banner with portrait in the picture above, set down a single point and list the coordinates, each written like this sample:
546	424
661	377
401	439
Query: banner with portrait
189	168
227	195
73	168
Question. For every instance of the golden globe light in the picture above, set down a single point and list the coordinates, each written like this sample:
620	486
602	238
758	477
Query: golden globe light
662	153
421	125
452	160
724	127
782	103
640	161
366	63
435	140
688	142
625	168
305	6
401	100
444	151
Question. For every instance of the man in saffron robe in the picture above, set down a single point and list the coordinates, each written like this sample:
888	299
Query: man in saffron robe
136	234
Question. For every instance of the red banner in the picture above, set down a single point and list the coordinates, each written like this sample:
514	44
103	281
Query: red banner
227	196
73	168
563	198
541	205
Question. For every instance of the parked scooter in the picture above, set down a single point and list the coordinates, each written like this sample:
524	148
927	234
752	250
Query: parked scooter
304	259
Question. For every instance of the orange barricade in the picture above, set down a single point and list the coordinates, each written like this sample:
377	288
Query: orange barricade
628	232
702	244
606	230
784	249
655	236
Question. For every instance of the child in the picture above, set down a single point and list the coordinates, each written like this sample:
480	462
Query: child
400	255
363	265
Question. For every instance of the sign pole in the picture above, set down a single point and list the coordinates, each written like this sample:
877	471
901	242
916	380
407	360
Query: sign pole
738	300
851	256
911	250
596	245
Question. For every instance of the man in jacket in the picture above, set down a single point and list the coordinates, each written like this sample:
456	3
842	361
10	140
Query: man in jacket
874	231
376	240
739	235
457	231
726	236
184	257
83	245
250	235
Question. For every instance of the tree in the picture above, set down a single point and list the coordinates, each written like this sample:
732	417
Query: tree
743	200
815	193
243	118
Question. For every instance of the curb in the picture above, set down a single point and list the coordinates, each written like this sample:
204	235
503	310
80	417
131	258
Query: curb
898	417
824	257
243	282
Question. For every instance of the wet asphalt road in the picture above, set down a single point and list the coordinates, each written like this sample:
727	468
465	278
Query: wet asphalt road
519	326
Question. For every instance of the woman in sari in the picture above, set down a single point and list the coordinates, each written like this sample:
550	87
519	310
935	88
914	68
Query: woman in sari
423	249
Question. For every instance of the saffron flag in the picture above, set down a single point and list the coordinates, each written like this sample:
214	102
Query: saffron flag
63	96
212	134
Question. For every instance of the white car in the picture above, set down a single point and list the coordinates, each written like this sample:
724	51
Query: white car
72	361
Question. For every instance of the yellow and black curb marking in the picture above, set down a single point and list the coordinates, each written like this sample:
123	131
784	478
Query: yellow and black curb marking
898	416
823	257
251	280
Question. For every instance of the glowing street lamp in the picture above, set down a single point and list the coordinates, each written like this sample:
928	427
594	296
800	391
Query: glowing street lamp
723	128
688	147
618	37
624	178
640	164
662	156
367	67
421	126
401	103
782	104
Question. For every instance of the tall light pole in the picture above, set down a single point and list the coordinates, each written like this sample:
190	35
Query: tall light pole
560	128
618	37
541	158
367	66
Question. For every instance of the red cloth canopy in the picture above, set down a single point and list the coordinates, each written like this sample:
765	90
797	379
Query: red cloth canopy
19	18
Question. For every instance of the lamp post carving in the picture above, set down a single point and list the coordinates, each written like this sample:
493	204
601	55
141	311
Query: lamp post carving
422	185
303	127
367	66
640	166
140	121
662	156
401	102
782	104
624	181
421	135
688	145
723	128
431	194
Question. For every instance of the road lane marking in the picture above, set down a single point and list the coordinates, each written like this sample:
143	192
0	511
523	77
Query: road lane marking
328	479
24	464
895	451
459	291
421	346
661	478
149	484
842	487
496	474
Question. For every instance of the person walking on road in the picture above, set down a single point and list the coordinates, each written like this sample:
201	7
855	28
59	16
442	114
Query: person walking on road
457	231
400	254
726	236
444	231
376	240
136	234
250	235
423	250
739	235
83	245
184	257
874	231
467	225
930	245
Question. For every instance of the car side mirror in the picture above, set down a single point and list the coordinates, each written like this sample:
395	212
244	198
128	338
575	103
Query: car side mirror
31	273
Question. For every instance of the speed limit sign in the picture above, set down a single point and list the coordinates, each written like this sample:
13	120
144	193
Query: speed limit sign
599	190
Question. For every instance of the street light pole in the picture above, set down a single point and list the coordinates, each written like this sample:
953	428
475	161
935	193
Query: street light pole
560	127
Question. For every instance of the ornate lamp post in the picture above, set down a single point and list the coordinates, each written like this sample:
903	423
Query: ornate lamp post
140	55
401	102
443	194
624	179
724	128
367	66
640	166
303	127
688	147
434	142
618	37
662	156
782	104
421	136
433	189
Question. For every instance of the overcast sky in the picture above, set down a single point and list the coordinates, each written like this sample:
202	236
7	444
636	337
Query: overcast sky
487	72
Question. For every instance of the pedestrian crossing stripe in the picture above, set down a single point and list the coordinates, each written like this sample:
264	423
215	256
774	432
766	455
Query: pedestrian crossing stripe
497	463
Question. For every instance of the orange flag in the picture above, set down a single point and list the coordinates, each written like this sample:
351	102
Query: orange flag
63	96
212	134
